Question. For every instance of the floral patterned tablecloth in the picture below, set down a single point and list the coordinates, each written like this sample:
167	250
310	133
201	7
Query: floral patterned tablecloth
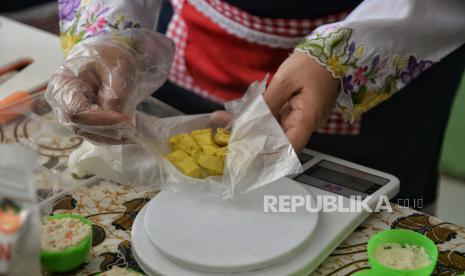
112	208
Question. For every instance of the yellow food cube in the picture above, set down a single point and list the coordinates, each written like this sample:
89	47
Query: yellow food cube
222	152
214	164
210	149
200	154
203	136
184	142
184	162
222	137
204	173
176	156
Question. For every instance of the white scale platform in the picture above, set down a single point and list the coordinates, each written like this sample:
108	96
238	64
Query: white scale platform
195	234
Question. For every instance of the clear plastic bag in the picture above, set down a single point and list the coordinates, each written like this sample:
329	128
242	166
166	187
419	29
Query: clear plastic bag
30	122
96	90
258	151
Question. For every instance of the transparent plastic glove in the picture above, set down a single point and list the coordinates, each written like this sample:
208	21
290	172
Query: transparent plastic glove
96	90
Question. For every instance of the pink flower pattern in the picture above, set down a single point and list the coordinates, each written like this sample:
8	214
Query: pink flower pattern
359	75
97	26
365	74
90	18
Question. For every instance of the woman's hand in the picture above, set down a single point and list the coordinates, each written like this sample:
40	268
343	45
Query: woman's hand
301	95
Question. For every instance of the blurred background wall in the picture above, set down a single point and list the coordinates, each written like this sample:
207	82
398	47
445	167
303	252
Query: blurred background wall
42	14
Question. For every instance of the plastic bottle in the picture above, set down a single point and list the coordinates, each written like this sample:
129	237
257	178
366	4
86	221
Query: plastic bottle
19	216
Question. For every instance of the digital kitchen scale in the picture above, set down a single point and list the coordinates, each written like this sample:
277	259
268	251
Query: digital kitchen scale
195	234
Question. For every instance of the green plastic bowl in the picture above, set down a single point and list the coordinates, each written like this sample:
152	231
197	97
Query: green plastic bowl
403	237
365	272
71	257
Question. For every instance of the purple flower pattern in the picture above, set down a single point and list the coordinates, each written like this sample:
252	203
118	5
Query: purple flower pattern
68	9
347	84
414	69
367	81
79	21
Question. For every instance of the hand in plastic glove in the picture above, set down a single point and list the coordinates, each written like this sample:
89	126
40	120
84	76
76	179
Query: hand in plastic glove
97	93
301	95
96	90
94	96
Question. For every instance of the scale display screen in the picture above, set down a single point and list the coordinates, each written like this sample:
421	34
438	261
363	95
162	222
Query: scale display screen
341	179
303	157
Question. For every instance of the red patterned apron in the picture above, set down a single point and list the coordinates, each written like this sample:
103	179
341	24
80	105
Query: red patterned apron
221	49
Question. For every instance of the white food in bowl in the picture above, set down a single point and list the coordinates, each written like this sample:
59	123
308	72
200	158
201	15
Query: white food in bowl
59	234
402	256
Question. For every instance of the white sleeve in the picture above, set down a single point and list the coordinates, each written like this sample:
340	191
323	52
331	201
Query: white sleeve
383	45
80	19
